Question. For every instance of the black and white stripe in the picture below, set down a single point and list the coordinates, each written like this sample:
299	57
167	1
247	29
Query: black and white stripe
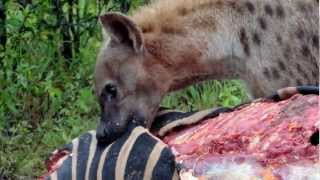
288	92
166	120
136	155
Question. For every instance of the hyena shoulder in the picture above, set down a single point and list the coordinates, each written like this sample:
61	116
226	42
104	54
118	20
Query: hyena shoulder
280	40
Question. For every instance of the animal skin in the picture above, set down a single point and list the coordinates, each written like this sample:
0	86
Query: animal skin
169	45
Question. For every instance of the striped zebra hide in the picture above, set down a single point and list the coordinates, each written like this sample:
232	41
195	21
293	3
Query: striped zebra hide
138	154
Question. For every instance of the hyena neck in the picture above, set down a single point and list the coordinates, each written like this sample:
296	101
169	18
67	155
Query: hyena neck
200	50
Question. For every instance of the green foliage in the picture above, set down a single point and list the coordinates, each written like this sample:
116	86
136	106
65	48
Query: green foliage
47	100
207	95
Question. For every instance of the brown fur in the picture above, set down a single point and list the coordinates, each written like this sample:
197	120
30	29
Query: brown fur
172	44
168	15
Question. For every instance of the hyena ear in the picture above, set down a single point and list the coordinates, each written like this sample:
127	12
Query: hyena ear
122	29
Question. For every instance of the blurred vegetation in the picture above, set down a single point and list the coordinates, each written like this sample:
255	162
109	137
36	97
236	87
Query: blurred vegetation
47	54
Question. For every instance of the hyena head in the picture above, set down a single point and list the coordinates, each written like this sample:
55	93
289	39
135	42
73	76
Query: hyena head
126	89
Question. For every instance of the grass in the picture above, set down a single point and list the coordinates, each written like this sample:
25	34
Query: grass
207	95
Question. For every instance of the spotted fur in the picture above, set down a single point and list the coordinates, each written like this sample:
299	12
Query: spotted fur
169	45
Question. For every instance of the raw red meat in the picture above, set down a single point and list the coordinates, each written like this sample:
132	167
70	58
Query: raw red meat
54	162
269	140
261	140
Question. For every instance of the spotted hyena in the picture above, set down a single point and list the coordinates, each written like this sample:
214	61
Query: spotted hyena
169	45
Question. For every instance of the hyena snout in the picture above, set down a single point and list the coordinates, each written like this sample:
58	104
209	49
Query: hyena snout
110	128
108	132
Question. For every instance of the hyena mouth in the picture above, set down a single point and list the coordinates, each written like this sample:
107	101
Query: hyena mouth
107	132
137	119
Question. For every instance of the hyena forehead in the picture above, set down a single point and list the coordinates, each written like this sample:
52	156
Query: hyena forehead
117	63
112	53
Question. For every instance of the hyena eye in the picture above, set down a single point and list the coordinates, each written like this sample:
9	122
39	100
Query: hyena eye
110	92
